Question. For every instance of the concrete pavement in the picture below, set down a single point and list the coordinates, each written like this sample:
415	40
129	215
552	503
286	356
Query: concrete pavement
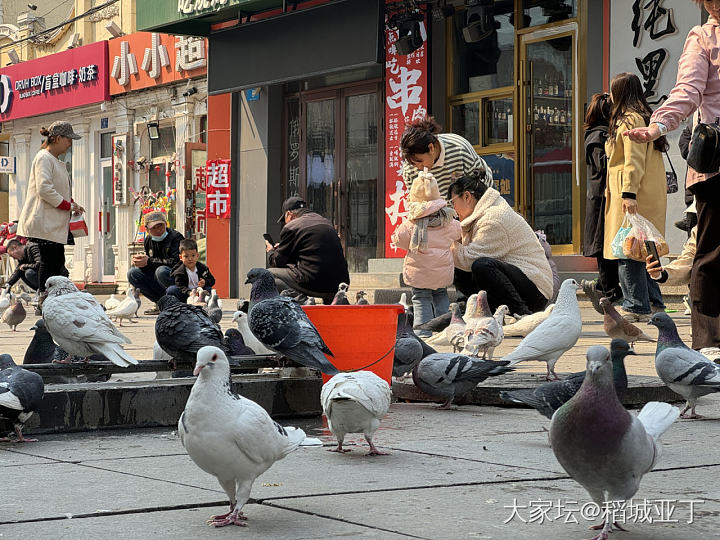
450	475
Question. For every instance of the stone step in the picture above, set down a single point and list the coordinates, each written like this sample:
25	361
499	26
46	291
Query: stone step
375	280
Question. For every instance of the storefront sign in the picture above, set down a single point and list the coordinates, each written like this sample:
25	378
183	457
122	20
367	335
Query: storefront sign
406	91
193	7
217	184
7	165
53	83
164	59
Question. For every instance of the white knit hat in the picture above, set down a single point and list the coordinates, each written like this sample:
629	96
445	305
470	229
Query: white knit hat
424	188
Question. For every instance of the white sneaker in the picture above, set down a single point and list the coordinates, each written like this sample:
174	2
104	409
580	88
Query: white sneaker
686	303
711	353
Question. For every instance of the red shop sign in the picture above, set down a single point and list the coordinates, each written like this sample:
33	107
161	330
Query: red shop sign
217	198
54	83
406	95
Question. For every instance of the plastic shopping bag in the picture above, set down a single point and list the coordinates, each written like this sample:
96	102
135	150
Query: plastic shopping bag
642	230
617	243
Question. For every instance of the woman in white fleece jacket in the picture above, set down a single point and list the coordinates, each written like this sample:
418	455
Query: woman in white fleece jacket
499	252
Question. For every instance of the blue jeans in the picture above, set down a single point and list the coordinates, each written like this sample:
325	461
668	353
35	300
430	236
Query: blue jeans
429	303
152	284
638	288
175	291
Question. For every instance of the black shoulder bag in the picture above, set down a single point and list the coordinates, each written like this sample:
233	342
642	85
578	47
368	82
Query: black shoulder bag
704	155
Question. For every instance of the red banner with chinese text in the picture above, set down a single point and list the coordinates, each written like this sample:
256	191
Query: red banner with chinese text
406	98
217	181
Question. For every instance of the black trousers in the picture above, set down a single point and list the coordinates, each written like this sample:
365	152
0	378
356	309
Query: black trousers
504	284
284	279
52	261
608	281
705	275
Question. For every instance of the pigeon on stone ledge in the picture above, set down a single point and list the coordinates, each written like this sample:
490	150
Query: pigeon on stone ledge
681	368
229	436
80	326
282	325
20	394
241	319
555	335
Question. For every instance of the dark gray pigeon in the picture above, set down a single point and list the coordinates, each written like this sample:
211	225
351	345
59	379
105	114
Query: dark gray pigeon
451	375
549	397
409	349
441	322
601	445
20	394
281	325
42	347
182	330
340	299
681	368
235	343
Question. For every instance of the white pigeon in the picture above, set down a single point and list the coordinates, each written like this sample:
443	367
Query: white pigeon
125	309
477	311
555	335
600	444
528	323
79	325
229	436
241	319
488	334
160	354
112	302
6	298
355	403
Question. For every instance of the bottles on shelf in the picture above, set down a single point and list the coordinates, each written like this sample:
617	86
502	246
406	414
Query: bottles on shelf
553	85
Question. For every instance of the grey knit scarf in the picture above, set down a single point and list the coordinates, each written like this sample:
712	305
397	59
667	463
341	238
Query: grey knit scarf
419	238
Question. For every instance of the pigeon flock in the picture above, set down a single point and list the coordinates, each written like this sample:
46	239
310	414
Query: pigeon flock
602	446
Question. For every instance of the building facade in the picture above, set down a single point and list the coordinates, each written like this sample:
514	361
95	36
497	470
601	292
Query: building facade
323	91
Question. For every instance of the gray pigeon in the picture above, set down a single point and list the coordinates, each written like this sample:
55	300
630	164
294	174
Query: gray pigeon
360	299
80	325
214	308
340	298
281	325
136	295
182	329
409	348
602	446
555	335
235	343
14	315
20	394
42	347
549	397
450	375
682	369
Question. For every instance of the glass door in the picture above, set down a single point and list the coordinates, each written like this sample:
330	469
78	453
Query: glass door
551	200
107	223
339	146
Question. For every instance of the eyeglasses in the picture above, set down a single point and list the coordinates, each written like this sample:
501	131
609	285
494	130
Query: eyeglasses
451	202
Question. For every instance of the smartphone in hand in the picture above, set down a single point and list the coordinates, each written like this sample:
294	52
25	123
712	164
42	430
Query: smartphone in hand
652	250
268	238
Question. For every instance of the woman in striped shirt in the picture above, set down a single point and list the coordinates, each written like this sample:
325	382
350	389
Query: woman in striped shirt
446	155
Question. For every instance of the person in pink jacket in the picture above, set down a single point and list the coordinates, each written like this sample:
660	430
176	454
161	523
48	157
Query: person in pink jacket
698	89
427	234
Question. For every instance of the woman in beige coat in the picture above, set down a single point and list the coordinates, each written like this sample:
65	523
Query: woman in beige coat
635	184
45	217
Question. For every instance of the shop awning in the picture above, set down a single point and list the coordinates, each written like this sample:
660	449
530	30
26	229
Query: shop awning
195	17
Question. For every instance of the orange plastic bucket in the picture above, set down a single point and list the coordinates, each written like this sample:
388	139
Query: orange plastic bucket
360	337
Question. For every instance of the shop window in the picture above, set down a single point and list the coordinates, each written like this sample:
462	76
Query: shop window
106	148
483	39
161	182
165	145
466	121
537	12
498	121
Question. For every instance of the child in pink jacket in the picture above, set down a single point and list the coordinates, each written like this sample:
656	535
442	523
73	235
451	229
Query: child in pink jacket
427	234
